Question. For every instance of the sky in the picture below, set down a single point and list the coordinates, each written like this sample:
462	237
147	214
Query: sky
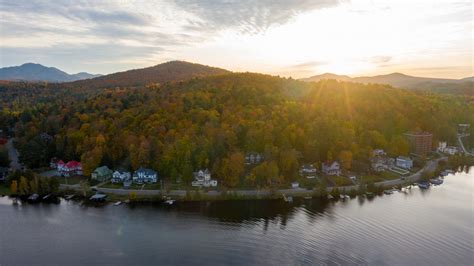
297	38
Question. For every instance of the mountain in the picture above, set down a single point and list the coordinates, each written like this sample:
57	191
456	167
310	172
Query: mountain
327	76
167	72
37	72
85	75
404	81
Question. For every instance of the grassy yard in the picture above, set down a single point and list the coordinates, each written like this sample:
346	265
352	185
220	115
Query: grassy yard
72	180
339	180
4	190
387	175
370	178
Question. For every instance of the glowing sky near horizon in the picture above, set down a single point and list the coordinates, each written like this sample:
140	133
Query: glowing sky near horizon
296	38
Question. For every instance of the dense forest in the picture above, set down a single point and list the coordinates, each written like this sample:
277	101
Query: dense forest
212	122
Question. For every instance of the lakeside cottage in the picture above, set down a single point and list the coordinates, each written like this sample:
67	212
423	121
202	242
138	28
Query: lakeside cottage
404	162
331	168
378	152
120	176
380	164
70	168
253	158
144	175
101	174
54	163
444	148
308	171
202	178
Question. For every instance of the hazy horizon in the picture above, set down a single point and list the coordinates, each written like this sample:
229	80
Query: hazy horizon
298	38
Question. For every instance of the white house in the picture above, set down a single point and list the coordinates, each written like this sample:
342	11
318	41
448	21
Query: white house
404	162
119	176
253	158
295	185
144	175
308	171
444	148
380	164
202	178
331	168
378	152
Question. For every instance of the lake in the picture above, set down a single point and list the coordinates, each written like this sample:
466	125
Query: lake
433	226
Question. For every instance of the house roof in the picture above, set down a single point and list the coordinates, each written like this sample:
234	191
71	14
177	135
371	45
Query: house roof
73	164
404	158
329	163
145	171
103	170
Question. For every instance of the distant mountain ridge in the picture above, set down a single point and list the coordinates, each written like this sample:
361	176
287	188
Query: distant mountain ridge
171	71
38	72
393	79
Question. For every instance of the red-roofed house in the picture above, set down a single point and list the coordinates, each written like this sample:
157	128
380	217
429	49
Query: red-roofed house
70	168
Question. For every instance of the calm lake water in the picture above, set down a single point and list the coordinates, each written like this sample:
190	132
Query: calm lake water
433	226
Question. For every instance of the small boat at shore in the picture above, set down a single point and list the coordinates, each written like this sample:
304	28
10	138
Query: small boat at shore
170	201
424	185
436	181
330	197
33	198
117	203
69	197
388	192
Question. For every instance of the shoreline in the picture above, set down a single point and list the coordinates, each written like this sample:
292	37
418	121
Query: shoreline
199	195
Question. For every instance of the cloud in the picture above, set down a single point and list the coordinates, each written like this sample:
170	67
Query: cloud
309	64
381	59
248	16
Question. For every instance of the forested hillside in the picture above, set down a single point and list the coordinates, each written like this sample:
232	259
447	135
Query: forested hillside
166	72
212	122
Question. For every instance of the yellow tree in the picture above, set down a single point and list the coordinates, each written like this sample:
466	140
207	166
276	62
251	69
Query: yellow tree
23	187
346	159
14	187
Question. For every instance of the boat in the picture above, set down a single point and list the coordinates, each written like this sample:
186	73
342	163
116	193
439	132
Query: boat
127	201
70	197
449	171
330	196
341	197
436	181
169	201
117	203
388	192
47	197
443	173
33	198
98	197
424	185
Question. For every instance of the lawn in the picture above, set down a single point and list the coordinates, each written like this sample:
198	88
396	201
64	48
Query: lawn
339	180
370	178
387	175
72	180
4	190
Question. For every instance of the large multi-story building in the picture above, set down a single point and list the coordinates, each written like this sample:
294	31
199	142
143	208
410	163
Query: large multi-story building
420	142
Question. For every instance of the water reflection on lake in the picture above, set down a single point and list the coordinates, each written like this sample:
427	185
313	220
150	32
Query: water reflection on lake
433	226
